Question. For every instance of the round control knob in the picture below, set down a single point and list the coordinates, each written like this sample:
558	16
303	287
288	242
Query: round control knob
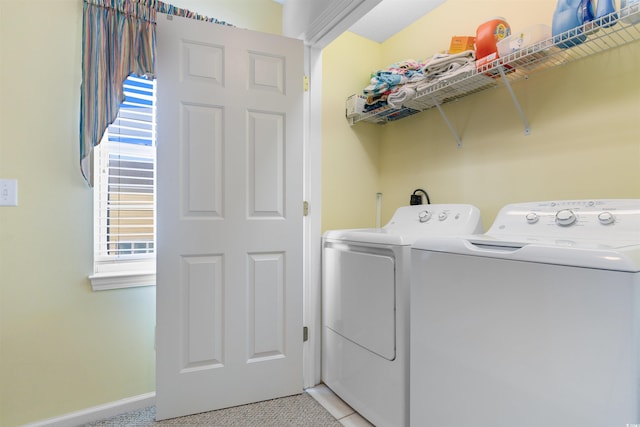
442	216
606	218
532	217
424	216
565	217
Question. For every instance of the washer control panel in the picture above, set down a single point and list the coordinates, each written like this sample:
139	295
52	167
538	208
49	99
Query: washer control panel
565	217
607	218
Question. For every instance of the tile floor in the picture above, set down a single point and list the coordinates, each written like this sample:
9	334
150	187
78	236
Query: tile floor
336	407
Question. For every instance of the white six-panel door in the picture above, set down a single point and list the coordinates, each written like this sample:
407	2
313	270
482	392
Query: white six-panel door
229	215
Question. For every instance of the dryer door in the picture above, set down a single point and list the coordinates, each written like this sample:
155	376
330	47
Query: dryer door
359	296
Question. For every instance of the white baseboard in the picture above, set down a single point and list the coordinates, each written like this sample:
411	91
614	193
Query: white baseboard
99	412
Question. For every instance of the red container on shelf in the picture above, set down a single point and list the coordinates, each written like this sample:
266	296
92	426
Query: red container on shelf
488	35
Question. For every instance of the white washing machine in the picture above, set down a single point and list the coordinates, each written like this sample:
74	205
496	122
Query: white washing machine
365	307
534	324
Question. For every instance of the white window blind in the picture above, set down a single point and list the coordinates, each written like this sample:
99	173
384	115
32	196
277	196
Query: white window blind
124	193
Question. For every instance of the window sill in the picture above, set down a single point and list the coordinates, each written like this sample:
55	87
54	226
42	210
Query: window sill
120	280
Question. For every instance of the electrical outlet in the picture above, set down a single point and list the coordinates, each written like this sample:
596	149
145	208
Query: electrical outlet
8	192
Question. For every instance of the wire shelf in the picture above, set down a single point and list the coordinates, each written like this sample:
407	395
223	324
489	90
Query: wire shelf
605	33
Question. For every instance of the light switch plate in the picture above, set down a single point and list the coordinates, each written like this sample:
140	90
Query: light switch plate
8	192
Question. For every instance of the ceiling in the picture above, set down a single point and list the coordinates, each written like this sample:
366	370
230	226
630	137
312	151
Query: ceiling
388	17
391	16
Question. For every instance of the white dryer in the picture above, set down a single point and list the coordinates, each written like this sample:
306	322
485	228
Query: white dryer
365	307
534	324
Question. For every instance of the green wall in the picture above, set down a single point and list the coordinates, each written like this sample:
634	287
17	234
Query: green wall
64	348
584	142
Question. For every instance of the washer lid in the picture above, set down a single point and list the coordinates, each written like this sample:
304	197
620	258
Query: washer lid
602	234
621	256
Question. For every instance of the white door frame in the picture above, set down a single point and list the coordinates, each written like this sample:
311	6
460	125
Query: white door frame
318	23
313	222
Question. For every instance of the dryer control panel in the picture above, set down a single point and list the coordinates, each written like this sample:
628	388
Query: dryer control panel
606	219
438	219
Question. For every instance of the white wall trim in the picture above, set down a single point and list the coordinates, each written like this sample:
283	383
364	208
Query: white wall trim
126	279
319	22
97	413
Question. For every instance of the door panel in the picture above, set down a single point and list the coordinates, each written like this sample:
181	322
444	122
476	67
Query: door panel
202	308
266	319
203	148
229	275
266	165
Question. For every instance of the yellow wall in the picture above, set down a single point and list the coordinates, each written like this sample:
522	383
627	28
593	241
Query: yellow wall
257	15
584	142
63	348
350	156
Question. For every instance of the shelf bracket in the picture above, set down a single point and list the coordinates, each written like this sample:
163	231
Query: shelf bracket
446	120
527	128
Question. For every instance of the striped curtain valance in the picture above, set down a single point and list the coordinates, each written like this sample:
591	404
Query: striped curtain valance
118	39
139	9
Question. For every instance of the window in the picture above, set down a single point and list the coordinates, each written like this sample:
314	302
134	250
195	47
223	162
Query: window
124	193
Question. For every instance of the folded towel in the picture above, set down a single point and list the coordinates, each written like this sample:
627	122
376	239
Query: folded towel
404	67
402	95
441	62
453	71
376	101
390	78
416	77
384	81
395	74
371	107
375	89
